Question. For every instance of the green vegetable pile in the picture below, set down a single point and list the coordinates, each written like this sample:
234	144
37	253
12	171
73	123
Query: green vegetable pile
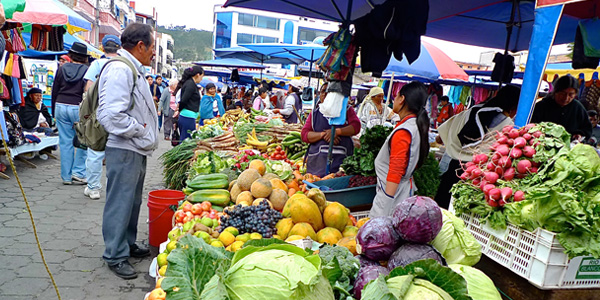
427	177
207	163
562	197
176	163
456	244
340	267
241	131
362	162
207	132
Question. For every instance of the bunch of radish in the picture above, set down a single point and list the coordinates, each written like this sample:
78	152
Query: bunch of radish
511	156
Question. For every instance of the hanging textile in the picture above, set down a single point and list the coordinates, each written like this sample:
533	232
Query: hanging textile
9	64
17	92
592	96
465	95
47	38
454	94
339	55
16	70
480	94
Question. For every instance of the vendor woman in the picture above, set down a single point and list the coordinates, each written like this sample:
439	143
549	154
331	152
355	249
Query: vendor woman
373	109
211	105
34	115
558	107
404	150
317	132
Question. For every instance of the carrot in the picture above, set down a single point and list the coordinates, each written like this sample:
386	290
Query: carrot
304	188
291	192
297	175
294	185
311	180
330	176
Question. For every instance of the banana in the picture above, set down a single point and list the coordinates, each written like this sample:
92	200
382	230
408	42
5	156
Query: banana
257	143
254	134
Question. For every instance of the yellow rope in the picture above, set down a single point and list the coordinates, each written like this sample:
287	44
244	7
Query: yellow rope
12	165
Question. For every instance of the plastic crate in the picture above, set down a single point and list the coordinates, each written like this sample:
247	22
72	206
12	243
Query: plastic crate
536	256
360	214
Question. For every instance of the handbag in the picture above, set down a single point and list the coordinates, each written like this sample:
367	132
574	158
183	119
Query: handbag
175	135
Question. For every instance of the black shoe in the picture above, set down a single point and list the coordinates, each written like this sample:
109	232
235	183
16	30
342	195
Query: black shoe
124	270
138	252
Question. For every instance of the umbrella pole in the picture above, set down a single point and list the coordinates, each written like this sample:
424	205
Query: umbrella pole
387	102
330	151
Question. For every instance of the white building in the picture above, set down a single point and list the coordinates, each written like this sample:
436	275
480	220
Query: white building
234	26
164	56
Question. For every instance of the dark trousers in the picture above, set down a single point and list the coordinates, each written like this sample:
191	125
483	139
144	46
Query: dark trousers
447	180
125	171
185	125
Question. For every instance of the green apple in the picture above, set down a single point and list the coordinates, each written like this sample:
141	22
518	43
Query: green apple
187	226
174	234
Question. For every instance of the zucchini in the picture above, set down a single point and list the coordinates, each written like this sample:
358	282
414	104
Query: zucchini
217	197
209	181
298	155
188	190
291	142
218	208
296	134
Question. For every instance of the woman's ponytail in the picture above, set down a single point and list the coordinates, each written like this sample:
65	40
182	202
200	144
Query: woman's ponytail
187	75
415	94
423	125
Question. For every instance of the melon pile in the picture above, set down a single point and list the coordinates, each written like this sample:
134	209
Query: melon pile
310	215
254	185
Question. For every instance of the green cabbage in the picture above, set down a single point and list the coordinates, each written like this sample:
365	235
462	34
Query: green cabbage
479	285
455	242
280	168
272	272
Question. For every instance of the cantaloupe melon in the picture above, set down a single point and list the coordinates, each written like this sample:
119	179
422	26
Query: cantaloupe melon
246	179
235	192
258	201
261	188
269	176
278	198
244	197
278	184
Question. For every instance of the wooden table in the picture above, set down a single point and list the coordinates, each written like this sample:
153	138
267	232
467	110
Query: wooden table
517	288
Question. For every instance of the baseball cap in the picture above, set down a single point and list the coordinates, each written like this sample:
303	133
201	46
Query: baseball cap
111	38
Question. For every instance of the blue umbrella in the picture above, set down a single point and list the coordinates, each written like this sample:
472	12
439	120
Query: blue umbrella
246	54
342	11
206	81
229	63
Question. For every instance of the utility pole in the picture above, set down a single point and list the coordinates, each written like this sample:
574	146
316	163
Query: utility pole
97	25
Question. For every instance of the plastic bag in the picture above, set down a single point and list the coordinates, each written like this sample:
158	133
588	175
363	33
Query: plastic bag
332	106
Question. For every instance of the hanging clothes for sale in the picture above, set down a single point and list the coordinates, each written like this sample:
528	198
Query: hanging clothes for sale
480	94
465	95
580	60
339	56
504	68
454	94
393	27
590	34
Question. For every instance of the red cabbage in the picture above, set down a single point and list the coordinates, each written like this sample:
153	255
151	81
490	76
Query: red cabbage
409	253
377	239
417	219
364	261
365	275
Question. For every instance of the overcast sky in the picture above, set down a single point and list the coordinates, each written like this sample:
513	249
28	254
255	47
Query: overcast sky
199	14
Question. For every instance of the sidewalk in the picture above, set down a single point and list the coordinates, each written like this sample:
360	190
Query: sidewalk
69	228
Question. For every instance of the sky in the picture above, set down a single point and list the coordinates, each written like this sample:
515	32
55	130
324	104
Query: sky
198	14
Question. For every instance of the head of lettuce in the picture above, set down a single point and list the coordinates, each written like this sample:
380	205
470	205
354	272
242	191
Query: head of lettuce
272	272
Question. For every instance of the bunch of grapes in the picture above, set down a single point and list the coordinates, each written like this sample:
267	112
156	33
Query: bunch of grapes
260	218
359	180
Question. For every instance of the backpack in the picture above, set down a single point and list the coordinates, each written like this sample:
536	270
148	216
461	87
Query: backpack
89	131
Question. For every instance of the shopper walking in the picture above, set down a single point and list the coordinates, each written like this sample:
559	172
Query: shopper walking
156	90
93	164
189	104
167	107
293	105
67	93
132	136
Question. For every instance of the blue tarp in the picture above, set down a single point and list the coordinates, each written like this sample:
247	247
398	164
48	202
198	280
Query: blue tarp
68	40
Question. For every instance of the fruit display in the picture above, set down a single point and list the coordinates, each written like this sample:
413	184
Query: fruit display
259	218
232	116
294	146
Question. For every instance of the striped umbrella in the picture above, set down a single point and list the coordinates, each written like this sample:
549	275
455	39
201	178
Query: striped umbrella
51	12
432	64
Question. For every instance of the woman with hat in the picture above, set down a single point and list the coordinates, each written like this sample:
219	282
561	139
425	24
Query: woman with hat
211	105
373	109
404	150
67	93
293	104
558	107
34	115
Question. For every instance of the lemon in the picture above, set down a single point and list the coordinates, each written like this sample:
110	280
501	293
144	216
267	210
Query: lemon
226	238
162	271
237	245
217	244
171	246
255	236
232	230
161	259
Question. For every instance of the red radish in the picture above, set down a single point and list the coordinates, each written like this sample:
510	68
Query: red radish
510	142
491	177
504	162
470	168
503	140
482	184
494	146
503	150
513	133
501	202
533	170
495	157
499	170
476	173
537	134
528	151
464	176
524	166
509	174
490	166
516	153
487	188
495	194
480	158
527	136
499	134
529	126
506	193
492	203
469	164
507	128
520	142
519	196
476	181
521	176
535	164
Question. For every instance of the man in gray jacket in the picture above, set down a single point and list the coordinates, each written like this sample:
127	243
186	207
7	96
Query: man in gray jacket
132	136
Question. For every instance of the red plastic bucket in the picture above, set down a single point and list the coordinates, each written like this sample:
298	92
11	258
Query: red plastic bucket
161	214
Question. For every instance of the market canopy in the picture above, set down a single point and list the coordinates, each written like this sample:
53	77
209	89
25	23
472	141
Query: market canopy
51	12
561	69
246	54
432	64
333	10
308	52
229	63
68	41
12	6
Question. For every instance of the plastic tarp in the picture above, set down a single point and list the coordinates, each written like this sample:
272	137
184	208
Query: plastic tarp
546	23
246	54
309	52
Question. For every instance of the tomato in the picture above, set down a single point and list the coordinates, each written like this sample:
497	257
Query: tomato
187	207
179	215
278	157
265	155
206	206
278	148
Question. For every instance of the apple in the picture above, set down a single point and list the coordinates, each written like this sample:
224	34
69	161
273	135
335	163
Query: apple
187	207
206	206
197	209
179	215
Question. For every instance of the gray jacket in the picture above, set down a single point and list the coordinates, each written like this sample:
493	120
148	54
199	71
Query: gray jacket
165	101
136	128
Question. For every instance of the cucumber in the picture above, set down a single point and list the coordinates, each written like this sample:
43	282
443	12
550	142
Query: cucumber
298	155
188	190
291	142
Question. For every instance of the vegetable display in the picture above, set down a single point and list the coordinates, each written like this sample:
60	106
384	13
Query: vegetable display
362	162
409	253
454	241
378	239
417	219
176	164
427	177
478	284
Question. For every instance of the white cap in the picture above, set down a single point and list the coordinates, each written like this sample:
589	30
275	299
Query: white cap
296	83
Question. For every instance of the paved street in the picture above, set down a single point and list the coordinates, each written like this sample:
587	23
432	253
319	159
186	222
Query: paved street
69	228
